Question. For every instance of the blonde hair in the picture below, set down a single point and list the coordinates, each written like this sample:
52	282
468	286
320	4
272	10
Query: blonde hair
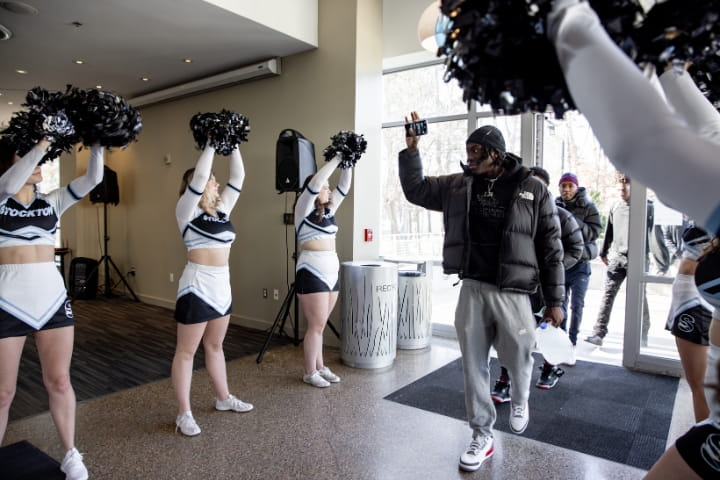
204	203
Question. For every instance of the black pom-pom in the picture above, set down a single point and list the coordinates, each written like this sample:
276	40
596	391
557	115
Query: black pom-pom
349	145
102	117
46	115
499	53
223	130
683	31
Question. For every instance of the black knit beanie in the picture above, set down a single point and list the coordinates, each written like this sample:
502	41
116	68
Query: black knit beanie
488	136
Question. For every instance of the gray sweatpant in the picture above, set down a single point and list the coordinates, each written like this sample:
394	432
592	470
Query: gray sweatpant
487	317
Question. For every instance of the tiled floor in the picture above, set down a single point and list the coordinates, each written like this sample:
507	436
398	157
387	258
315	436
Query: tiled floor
346	431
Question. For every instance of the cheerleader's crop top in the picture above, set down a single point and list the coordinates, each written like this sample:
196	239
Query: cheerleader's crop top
36	223
198	228
308	224
208	231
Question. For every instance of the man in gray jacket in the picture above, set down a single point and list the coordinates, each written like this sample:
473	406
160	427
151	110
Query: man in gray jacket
502	238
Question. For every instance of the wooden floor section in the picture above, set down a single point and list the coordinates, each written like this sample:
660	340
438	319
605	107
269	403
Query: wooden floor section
120	344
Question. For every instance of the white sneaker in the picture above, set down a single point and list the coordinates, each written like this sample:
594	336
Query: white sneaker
519	417
73	467
186	424
315	379
233	403
479	450
571	362
328	375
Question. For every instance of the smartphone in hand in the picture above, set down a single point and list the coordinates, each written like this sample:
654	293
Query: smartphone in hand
420	127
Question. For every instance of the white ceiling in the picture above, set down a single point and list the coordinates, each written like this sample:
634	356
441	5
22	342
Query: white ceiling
123	40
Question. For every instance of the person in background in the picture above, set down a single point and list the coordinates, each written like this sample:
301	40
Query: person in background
614	254
496	201
32	291
204	298
575	199
573	246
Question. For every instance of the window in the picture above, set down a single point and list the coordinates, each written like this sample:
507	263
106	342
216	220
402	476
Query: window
408	231
51	181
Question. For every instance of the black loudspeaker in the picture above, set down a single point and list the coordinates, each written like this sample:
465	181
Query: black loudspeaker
107	191
294	161
83	278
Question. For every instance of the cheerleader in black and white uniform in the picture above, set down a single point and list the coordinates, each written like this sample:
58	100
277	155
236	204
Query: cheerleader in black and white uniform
318	265
33	299
204	299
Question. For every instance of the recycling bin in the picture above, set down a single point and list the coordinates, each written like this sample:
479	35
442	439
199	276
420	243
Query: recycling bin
415	307
368	328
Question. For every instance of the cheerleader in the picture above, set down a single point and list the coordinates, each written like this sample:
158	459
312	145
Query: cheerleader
33	299
204	298
317	267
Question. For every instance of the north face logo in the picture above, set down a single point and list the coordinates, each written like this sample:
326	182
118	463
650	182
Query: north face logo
527	196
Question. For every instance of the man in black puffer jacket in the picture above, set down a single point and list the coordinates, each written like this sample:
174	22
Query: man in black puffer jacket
574	199
502	237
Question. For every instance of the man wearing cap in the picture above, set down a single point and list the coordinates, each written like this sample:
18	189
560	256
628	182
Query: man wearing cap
575	199
502	238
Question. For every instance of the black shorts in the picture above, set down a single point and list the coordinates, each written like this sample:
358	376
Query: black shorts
700	448
10	326
693	325
307	282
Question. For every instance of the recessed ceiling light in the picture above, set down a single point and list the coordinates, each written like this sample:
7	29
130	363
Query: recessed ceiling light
79	62
10	103
21	72
187	60
98	87
19	7
145	79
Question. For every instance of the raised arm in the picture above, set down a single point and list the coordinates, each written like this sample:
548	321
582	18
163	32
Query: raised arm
64	198
306	201
610	90
690	103
81	186
15	177
189	200
232	190
342	189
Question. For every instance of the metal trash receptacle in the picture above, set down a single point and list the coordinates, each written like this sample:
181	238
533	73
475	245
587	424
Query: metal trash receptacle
368	328
415	307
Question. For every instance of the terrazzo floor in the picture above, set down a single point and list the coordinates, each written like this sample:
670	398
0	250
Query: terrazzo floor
346	431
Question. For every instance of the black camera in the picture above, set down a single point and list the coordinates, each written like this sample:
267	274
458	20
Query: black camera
419	127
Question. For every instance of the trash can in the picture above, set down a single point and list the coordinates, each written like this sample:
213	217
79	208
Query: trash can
415	307
368	328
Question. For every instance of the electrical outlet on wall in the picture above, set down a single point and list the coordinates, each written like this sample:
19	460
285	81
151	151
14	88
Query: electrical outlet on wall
265	293
276	294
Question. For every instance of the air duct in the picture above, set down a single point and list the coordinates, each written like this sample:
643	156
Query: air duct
255	71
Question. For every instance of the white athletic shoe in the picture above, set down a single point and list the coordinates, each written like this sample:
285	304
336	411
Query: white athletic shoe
479	450
315	379
328	375
519	417
73	467
233	403
186	424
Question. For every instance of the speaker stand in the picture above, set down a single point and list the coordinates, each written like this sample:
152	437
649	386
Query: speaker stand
107	260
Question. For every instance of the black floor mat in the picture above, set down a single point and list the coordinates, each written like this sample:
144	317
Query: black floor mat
601	410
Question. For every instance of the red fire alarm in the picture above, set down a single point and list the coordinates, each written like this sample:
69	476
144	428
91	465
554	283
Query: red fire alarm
368	235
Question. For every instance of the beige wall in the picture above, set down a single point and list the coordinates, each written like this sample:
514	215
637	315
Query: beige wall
335	87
